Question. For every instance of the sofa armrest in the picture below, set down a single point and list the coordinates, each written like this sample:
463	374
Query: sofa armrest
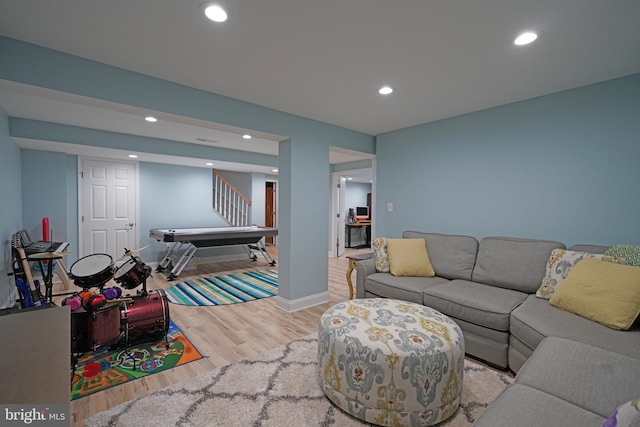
363	269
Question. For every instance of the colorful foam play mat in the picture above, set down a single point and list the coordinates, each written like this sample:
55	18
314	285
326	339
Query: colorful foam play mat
97	371
225	289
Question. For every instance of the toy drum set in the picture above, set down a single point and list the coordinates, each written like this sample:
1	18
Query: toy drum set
105	317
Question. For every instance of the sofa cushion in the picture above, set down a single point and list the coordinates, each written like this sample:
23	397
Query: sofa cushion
452	256
473	302
589	377
404	288
512	263
560	263
536	319
520	405
602	291
408	257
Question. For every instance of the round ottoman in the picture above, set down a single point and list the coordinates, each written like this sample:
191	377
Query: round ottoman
391	362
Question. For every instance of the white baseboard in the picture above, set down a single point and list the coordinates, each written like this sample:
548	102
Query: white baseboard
302	303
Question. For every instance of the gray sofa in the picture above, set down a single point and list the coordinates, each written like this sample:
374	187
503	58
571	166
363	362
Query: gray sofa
488	287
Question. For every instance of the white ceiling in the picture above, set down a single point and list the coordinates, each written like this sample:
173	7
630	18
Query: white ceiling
325	59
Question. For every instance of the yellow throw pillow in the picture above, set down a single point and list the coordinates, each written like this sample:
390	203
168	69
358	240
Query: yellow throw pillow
408	257
602	291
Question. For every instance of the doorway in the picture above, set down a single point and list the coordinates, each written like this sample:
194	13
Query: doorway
270	219
341	202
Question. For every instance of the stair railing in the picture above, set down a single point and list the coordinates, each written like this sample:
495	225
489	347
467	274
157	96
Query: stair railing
229	203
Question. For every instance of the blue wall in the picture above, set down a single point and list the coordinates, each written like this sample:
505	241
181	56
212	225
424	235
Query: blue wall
563	166
10	208
44	192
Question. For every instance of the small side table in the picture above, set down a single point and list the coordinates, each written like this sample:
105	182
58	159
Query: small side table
353	260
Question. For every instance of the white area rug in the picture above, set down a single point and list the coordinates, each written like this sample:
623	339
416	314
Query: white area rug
277	388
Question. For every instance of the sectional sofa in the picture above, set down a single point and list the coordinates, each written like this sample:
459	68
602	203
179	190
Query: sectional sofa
495	290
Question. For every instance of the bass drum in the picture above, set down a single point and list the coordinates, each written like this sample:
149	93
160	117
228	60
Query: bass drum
92	271
93	330
146	317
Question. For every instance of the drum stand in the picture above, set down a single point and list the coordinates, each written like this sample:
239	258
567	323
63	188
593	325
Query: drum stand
143	292
144	287
74	364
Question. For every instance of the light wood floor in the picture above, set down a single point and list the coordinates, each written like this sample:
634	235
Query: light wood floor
224	334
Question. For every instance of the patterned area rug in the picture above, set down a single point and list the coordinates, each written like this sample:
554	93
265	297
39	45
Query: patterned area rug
278	388
225	289
100	370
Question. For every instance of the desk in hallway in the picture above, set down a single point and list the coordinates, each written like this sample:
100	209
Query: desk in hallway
357	225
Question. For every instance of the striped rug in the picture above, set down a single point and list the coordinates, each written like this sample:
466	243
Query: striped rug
225	289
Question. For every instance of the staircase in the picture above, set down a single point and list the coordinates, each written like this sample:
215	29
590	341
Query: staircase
229	203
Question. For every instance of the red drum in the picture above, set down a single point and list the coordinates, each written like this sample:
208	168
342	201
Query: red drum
92	330
146	317
92	270
132	273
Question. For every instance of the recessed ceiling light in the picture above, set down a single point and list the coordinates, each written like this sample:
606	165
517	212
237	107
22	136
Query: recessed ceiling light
209	164
151	119
274	170
525	38
246	136
133	156
215	13
385	90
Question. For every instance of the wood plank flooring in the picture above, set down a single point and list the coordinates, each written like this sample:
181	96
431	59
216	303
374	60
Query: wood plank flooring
224	334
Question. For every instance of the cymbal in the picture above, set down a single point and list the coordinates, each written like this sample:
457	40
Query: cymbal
48	255
129	252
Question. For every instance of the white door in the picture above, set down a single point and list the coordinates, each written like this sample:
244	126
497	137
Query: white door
340	216
108	208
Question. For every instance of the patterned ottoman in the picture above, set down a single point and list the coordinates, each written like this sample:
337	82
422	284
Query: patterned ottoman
391	362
